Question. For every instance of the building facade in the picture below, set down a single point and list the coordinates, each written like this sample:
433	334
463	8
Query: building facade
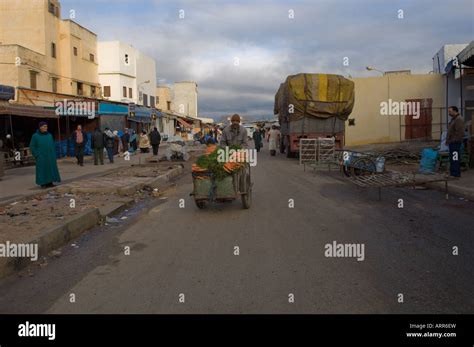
41	51
185	98
126	74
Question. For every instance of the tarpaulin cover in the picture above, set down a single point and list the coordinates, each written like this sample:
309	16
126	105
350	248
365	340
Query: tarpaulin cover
315	95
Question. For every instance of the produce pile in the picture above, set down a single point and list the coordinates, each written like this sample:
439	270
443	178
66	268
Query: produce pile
209	163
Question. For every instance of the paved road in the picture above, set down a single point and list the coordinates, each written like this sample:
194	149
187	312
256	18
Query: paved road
281	252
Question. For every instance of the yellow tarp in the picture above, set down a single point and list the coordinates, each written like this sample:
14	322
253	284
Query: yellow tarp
318	95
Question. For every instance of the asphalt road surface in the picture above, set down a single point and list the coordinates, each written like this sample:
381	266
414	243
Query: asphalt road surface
268	259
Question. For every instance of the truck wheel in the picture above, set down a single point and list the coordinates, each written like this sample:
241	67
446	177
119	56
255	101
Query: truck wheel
201	203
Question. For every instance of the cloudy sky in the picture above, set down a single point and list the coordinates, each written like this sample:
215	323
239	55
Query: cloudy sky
240	51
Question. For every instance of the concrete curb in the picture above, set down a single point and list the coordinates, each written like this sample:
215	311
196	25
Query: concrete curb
453	190
157	182
73	227
53	238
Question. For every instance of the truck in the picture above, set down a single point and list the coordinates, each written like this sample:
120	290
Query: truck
312	105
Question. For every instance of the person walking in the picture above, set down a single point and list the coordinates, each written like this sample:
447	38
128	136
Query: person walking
109	140
155	139
79	139
125	140
454	140
98	144
144	142
257	139
42	148
273	138
133	142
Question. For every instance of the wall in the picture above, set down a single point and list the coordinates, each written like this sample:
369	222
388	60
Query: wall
29	24
370	125
163	95
116	73
185	98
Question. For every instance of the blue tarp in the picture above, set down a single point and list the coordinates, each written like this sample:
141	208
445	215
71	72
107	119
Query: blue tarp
66	147
429	156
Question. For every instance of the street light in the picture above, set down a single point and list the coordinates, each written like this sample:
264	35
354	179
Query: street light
371	68
148	81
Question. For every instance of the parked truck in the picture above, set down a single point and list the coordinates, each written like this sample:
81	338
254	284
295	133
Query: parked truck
312	106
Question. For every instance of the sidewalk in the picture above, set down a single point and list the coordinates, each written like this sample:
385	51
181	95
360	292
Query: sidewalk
19	182
463	187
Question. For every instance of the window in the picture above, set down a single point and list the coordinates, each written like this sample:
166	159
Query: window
130	94
80	90
157	100
152	101
33	79
169	105
145	99
107	91
124	92
91	57
93	90
53	49
75	51
352	122
50	7
54	85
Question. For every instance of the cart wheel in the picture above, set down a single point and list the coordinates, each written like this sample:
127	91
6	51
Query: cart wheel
346	170
246	186
362	167
201	203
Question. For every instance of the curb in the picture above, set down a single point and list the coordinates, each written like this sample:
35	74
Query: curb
51	239
60	235
453	190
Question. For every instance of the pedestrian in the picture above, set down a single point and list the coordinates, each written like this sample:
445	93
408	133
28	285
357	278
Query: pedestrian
273	138
257	139
42	148
155	139
98	144
454	140
109	140
234	134
79	139
125	140
144	142
132	142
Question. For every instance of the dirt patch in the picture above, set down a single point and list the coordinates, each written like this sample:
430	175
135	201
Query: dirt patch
23	220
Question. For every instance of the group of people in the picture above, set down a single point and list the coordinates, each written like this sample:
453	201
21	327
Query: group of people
236	134
112	142
273	138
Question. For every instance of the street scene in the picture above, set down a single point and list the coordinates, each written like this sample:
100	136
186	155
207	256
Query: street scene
237	158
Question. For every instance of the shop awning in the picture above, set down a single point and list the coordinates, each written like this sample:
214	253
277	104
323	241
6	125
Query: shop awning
27	111
466	56
184	123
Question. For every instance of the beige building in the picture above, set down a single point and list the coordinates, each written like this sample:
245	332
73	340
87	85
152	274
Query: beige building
41	51
185	98
371	123
163	98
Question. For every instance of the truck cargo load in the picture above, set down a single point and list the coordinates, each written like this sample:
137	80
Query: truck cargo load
315	95
312	106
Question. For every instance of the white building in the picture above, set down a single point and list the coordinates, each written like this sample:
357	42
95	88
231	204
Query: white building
126	74
185	98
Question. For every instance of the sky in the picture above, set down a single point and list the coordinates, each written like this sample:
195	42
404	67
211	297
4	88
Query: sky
239	52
